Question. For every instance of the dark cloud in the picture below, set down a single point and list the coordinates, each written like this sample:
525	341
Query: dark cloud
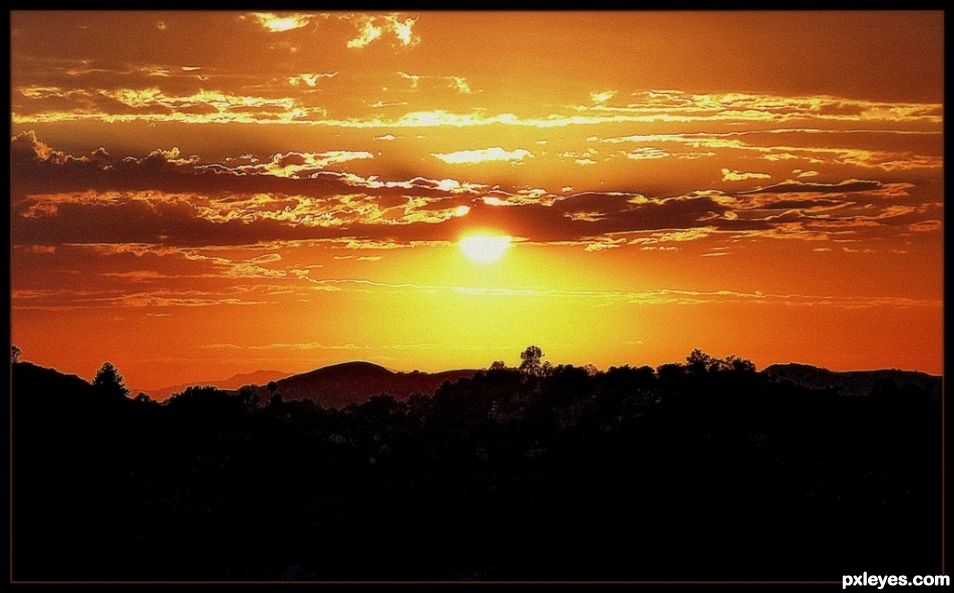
799	204
291	158
850	185
167	224
37	169
168	199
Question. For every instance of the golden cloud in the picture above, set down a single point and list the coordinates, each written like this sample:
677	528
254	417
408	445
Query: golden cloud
279	24
483	155
730	175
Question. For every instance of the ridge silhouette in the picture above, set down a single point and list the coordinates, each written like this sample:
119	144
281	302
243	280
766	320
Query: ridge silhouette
346	383
707	469
234	382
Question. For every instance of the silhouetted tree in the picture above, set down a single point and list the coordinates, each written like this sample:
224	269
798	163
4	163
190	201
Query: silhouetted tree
698	362
670	372
740	365
109	382
15	353
498	365
532	364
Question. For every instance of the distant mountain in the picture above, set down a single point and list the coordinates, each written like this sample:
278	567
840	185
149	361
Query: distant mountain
849	382
354	382
233	382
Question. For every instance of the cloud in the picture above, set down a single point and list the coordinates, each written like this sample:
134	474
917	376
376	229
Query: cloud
847	186
40	169
603	243
372	28
591	216
164	298
732	141
646	153
414	78
403	30
266	258
64	300
729	175
807	113
368	33
459	83
27	145
278	24
927	226
155	71
483	155
302	164
671	236
602	96
36	249
154	104
168	198
309	79
680	106
296	114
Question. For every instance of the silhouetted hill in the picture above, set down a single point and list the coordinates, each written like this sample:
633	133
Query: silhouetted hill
850	382
50	385
700	471
233	382
355	382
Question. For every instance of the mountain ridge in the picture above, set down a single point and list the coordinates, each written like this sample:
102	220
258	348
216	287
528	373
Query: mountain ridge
234	382
849	382
350	382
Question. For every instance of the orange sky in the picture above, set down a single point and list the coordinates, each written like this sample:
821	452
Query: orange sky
198	194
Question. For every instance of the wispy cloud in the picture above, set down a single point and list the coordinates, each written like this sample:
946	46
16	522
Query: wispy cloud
730	175
677	109
309	79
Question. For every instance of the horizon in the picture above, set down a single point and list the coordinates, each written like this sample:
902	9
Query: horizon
434	191
133	389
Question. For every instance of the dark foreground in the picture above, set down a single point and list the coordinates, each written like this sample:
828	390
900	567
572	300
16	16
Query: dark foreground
681	473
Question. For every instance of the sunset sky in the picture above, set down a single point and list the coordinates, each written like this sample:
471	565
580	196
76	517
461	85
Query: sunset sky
199	194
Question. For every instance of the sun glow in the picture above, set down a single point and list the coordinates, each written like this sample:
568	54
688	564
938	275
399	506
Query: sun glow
277	24
485	249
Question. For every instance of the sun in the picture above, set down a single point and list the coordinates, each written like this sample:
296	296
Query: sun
485	249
